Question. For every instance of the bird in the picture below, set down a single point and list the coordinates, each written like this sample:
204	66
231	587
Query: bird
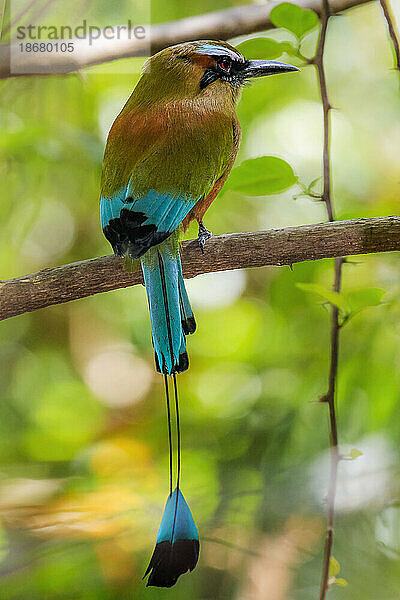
167	156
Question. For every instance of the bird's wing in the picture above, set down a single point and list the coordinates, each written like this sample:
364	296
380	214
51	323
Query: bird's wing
155	169
197	212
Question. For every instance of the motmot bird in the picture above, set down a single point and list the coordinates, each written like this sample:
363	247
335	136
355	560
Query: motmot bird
168	154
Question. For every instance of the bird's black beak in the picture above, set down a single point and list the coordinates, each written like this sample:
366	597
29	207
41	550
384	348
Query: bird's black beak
260	68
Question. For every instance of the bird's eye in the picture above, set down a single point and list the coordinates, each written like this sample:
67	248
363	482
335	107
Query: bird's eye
225	64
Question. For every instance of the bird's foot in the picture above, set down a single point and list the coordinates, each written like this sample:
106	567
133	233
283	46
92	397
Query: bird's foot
203	236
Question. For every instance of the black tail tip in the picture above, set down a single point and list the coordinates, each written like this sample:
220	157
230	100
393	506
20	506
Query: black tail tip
158	369
170	561
189	325
179	367
183	363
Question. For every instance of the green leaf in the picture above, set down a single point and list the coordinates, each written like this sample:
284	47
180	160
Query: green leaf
354	453
332	297
334	567
360	299
341	582
289	49
262	176
294	18
261	48
314	182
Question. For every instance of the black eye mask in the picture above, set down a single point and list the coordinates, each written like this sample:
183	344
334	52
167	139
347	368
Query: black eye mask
225	69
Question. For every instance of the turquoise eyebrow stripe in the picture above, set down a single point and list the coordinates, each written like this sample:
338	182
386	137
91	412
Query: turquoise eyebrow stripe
212	49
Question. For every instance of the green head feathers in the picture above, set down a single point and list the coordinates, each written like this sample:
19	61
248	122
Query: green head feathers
201	69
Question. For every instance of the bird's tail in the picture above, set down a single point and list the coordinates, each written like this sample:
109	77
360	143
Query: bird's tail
170	311
177	547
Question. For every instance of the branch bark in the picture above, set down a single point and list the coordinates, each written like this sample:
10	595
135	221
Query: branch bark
223	25
392	31
224	252
329	397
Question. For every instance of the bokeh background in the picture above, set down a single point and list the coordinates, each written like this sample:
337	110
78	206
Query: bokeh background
83	438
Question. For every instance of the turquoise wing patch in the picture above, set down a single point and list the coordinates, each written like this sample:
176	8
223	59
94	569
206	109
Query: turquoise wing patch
133	225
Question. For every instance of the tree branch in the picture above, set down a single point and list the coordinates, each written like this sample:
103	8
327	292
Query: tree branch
224	252
329	397
223	25
392	31
326	107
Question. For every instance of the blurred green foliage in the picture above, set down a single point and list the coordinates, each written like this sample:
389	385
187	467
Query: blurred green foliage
83	439
261	176
295	19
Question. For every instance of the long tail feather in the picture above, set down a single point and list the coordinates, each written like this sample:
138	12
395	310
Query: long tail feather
169	433
162	272
178	437
177	547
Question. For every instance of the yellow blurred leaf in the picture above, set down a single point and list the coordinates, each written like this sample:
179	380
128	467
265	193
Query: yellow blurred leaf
334	567
119	456
354	453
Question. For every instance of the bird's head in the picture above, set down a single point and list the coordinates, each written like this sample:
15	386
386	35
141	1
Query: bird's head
204	67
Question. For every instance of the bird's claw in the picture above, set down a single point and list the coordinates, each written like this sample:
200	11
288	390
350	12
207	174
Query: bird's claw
203	236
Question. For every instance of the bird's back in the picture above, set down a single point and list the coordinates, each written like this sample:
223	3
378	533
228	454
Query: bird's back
182	146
